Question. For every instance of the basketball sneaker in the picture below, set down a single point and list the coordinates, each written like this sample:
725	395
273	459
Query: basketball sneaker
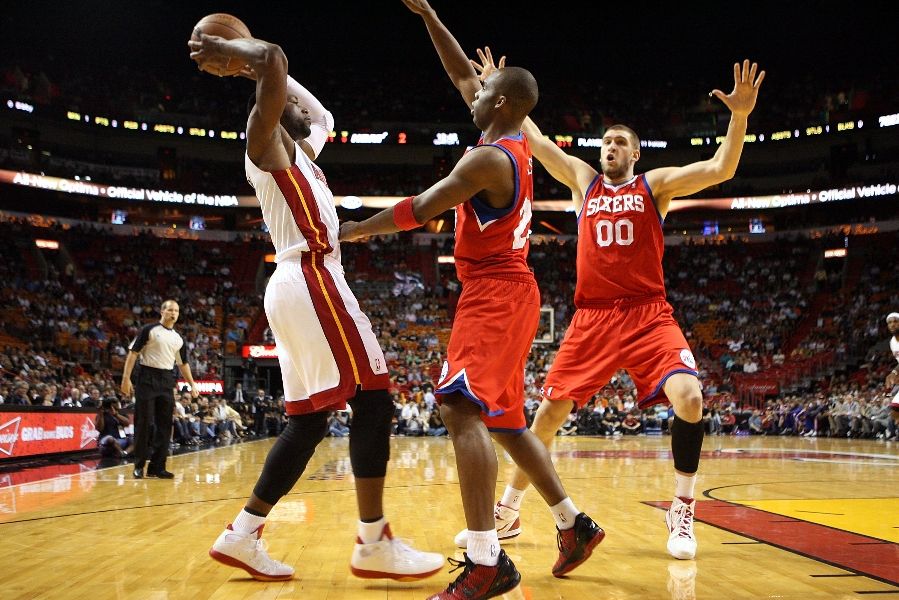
679	518
576	544
478	582
391	558
508	525
248	552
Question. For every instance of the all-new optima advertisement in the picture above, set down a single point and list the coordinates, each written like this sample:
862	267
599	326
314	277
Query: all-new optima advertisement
32	433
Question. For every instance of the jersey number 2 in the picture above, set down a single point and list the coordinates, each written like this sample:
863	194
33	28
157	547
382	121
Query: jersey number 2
521	232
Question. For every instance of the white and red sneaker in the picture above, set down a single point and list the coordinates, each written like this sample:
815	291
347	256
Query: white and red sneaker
391	558
248	552
508	525
679	518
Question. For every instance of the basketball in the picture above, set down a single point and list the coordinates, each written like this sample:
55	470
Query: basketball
228	27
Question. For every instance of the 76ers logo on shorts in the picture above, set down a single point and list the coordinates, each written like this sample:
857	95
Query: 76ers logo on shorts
686	357
444	371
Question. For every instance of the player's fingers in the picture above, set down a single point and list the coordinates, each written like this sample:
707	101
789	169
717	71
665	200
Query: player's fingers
745	70
758	81
502	62
736	72
718	94
752	72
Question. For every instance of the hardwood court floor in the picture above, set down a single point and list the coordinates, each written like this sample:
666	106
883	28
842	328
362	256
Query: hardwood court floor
779	518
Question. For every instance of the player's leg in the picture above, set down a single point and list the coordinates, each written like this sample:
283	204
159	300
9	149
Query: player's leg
377	554
551	414
685	394
584	363
577	534
663	368
299	337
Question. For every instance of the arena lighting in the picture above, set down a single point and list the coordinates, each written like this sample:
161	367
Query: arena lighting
446	139
47	244
368	138
351	202
446	260
835	253
270	258
888	120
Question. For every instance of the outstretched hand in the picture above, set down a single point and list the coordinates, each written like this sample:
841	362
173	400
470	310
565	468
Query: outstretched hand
741	101
486	66
204	52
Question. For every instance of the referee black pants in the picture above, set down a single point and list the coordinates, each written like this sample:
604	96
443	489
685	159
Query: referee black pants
153	413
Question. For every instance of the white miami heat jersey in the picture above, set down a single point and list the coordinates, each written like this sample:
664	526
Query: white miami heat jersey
297	207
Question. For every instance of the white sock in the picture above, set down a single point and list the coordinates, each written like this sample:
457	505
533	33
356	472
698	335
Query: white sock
512	498
565	512
483	547
370	533
247	523
683	485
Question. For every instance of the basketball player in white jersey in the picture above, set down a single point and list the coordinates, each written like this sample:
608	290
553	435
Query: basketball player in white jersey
327	350
892	380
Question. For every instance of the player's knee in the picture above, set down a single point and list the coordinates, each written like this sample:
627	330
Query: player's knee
687	402
370	433
549	418
456	410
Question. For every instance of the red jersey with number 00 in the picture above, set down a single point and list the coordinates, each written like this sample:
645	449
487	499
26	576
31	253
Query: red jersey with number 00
620	244
493	242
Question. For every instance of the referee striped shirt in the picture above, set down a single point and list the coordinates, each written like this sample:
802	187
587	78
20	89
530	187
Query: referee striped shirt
159	347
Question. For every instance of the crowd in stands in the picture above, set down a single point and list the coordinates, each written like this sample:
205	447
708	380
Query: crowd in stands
767	312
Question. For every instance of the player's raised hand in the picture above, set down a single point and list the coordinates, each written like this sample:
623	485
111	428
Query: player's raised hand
486	66
747	80
204	51
419	7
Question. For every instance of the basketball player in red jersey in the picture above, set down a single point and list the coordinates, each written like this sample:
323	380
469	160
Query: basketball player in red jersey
481	389
623	320
327	350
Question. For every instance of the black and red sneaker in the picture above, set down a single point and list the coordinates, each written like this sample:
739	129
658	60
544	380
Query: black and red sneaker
479	582
576	544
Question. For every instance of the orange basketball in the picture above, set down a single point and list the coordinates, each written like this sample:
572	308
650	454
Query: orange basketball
228	27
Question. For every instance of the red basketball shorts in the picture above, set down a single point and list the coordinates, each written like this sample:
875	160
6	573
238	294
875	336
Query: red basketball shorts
644	339
495	324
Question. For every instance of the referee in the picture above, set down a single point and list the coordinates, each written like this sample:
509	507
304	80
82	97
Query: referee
159	348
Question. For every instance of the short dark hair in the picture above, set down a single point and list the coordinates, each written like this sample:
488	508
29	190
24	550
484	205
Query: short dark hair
627	130
251	102
520	88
